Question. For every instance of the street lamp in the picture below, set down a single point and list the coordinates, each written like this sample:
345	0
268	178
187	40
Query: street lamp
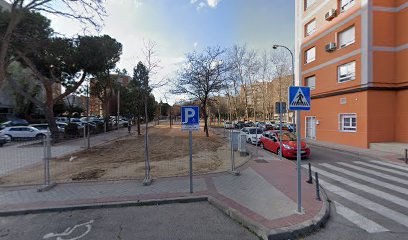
276	46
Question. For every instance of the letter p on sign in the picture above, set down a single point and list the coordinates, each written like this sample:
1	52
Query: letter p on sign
190	118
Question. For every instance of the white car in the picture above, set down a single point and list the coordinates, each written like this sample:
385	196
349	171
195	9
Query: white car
25	132
252	134
228	125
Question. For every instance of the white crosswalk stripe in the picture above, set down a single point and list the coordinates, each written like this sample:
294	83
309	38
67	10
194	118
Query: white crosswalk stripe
362	187
372	172
369	194
381	168
365	178
366	203
359	220
390	165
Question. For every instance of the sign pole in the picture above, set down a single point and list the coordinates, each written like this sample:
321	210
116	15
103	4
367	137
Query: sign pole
190	142
299	159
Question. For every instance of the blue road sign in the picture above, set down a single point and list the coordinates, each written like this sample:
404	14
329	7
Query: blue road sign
299	98
190	118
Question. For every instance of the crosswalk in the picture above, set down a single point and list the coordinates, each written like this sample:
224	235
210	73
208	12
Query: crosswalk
373	195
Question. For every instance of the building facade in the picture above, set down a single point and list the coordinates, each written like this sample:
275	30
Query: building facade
354	56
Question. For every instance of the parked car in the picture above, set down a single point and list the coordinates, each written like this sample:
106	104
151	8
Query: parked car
62	119
23	132
4	140
267	127
270	140
45	127
252	134
228	125
239	125
14	122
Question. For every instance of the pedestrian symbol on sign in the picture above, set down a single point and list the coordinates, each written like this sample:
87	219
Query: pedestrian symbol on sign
300	99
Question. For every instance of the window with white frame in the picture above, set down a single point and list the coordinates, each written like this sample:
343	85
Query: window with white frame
348	122
311	82
347	37
346	4
310	55
311	27
347	72
309	3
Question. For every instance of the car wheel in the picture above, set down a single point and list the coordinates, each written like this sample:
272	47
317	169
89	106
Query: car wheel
248	140
261	145
9	138
39	136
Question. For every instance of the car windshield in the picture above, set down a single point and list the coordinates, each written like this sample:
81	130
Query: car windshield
252	131
287	136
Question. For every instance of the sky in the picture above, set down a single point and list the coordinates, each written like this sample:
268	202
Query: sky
181	26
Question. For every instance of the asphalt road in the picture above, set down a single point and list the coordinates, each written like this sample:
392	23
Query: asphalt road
173	221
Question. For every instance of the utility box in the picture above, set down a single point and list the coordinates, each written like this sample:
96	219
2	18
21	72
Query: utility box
235	139
242	144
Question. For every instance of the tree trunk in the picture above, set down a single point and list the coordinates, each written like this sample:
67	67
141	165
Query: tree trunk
49	112
146	144
138	125
204	109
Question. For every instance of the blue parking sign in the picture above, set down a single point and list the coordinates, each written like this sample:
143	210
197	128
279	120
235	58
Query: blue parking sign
299	98
190	118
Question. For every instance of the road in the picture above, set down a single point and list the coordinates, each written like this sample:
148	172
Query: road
370	199
174	221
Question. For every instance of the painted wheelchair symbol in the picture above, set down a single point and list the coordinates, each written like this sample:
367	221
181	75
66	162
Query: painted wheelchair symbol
86	227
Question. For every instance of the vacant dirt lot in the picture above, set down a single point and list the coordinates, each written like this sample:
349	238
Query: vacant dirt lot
124	158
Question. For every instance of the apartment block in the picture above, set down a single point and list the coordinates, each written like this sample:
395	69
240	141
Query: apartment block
353	54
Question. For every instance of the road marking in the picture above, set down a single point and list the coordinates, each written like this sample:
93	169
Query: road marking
385	176
364	188
381	168
364	202
390	165
367	179
359	220
69	231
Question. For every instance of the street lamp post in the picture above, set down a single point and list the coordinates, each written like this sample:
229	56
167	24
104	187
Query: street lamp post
293	75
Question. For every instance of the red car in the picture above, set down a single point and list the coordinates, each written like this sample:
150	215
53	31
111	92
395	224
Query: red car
270	141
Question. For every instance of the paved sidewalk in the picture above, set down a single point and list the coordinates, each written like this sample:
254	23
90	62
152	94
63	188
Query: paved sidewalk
263	198
361	152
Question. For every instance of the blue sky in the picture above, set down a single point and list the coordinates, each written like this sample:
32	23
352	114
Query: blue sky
181	26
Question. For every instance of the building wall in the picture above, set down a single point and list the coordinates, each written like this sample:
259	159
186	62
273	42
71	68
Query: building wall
327	112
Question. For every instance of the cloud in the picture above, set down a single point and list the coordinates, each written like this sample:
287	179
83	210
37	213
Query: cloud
213	3
193	1
195	44
201	5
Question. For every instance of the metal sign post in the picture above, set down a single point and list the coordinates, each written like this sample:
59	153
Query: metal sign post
190	121
299	99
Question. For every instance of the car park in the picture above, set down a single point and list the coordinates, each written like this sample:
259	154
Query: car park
270	140
252	134
22	132
45	127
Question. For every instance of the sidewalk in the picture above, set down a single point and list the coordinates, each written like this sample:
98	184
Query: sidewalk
263	198
361	152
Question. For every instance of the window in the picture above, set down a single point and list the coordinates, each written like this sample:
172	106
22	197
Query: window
347	37
347	72
311	82
309	3
311	27
310	55
346	4
348	122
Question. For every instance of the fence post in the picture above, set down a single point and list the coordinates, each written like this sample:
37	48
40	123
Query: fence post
47	161
317	187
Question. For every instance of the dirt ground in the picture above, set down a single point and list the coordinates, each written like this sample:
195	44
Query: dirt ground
124	158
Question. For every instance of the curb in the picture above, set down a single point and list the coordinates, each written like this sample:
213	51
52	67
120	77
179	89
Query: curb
152	202
284	233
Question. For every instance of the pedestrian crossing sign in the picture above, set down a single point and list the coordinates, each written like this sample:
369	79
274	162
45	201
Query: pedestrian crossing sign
299	98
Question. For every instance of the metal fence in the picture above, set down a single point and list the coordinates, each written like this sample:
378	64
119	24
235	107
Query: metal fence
117	155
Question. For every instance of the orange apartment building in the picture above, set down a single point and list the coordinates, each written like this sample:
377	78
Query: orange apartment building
353	54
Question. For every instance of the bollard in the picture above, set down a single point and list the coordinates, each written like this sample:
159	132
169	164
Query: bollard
406	156
317	187
310	181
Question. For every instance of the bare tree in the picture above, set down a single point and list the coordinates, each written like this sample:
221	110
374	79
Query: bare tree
202	75
85	11
265	77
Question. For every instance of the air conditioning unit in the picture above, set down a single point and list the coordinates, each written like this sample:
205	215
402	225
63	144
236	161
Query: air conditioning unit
330	47
330	14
